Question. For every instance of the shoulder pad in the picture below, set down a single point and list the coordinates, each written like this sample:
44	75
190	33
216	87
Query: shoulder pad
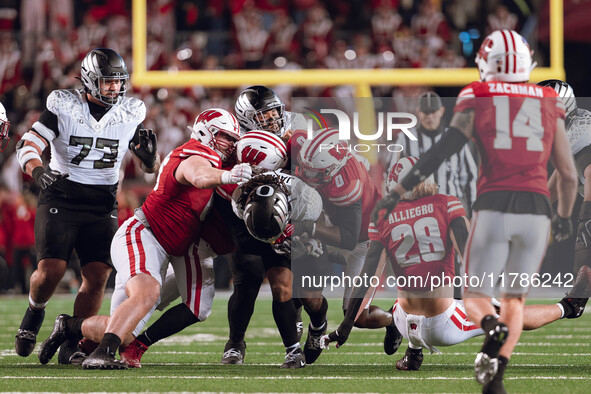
63	101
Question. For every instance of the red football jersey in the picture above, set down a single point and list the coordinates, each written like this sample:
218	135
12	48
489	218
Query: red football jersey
350	184
514	129
175	211
417	239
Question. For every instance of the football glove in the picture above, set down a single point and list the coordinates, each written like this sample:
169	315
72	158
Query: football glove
388	203
340	335
562	228
146	149
44	178
314	247
238	174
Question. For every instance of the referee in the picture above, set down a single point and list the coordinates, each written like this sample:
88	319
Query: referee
457	175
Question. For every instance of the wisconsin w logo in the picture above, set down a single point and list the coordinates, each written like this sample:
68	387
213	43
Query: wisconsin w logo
253	156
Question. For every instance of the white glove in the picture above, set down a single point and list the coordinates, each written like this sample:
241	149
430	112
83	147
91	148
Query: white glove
238	174
314	247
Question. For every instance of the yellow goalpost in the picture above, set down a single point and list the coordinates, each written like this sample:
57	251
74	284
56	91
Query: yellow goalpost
361	78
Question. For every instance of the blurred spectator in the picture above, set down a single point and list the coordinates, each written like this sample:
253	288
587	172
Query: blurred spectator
24	260
384	22
501	19
430	26
250	36
316	34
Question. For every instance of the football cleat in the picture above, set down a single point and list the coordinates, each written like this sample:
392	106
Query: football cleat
495	386
101	359
486	363
233	353
69	347
132	353
313	346
393	338
294	359
412	360
576	299
24	342
55	340
77	358
26	337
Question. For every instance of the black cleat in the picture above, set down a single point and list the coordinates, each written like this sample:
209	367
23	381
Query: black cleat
576	299
233	353
392	339
313	345
101	359
26	336
24	342
69	347
77	358
56	338
412	360
494	387
294	359
486	363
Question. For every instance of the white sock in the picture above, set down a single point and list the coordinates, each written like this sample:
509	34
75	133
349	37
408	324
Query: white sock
561	310
36	305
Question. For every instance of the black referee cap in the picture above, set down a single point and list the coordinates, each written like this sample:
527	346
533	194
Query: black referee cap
429	102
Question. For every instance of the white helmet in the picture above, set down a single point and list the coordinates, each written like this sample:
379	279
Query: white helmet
4	126
504	56
321	157
399	170
209	124
565	92
262	149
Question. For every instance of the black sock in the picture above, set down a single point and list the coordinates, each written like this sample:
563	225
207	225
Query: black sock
317	318
488	323
297	303
240	310
33	319
74	327
172	321
285	317
110	343
503	361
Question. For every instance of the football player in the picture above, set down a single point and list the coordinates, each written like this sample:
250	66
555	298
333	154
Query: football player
578	131
89	131
420	238
348	194
259	108
517	128
166	225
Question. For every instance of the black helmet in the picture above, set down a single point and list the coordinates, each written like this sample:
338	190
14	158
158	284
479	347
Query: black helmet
103	64
251	105
266	213
565	92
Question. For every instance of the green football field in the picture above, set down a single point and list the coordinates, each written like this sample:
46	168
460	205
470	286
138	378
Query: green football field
554	359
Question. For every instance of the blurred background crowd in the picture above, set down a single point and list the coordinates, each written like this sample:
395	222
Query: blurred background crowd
43	41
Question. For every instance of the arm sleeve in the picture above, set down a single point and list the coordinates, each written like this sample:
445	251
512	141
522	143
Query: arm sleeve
47	125
348	220
460	231
372	260
450	143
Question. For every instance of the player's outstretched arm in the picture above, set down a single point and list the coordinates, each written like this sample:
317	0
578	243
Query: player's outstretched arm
197	171
370	266
566	183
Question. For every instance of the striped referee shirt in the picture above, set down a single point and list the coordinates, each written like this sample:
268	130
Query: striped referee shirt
456	176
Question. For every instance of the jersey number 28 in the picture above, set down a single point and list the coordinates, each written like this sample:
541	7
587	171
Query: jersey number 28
425	232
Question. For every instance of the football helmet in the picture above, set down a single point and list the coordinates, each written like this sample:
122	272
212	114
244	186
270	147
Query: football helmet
104	65
262	149
4	127
252	106
565	92
399	170
322	157
208	126
504	56
266	213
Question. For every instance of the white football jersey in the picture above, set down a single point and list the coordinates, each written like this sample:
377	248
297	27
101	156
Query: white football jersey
579	130
90	151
